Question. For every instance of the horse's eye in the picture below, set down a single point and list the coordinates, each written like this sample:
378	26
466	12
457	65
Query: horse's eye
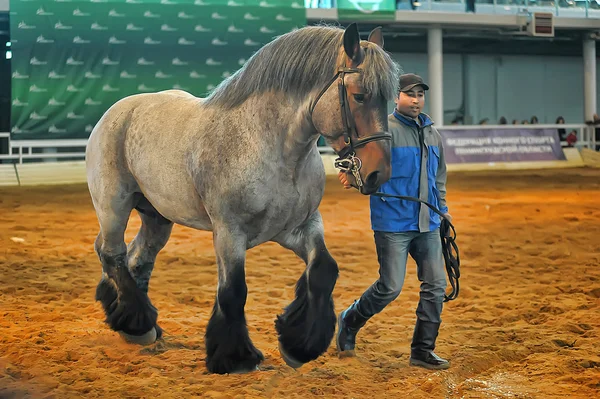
359	98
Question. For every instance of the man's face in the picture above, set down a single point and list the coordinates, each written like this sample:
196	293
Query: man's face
411	103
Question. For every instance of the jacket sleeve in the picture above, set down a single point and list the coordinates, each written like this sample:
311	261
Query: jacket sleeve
440	177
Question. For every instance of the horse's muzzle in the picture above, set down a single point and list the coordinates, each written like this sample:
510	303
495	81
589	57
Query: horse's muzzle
372	183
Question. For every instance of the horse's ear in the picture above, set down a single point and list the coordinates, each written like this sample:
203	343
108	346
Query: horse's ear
376	36
352	43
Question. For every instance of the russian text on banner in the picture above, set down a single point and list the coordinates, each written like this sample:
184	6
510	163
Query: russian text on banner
501	145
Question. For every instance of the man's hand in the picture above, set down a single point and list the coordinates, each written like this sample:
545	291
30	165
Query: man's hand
448	216
344	180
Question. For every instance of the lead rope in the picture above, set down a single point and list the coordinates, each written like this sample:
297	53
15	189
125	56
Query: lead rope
449	247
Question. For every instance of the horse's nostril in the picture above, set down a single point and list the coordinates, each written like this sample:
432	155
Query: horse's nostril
372	179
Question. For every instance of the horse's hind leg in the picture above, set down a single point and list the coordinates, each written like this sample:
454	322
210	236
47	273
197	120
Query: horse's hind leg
142	251
228	345
307	325
127	307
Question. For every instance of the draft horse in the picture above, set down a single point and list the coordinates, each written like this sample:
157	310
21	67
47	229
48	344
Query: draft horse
242	163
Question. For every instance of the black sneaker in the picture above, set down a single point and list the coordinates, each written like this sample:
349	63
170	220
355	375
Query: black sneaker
349	322
429	360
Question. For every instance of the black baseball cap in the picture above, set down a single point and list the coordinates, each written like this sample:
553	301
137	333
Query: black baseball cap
410	80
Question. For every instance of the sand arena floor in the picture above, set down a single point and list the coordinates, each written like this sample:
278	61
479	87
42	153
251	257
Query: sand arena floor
525	325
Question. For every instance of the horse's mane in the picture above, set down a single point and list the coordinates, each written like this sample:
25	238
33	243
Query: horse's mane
294	63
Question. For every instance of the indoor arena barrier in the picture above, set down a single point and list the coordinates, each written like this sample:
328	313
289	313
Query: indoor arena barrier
33	162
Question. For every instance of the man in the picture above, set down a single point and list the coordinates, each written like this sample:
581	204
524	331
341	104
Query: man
402	227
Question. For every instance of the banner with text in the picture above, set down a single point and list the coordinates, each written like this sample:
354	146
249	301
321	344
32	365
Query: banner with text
73	59
366	10
501	145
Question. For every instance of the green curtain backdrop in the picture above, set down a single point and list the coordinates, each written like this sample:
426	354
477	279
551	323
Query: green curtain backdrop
73	59
366	10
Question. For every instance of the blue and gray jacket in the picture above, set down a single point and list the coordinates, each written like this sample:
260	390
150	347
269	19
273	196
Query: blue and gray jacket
418	170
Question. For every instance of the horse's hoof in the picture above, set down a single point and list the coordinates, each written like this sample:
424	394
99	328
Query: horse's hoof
159	332
245	371
290	361
146	339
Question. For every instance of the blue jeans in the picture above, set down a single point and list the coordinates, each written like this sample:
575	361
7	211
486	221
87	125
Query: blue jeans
392	253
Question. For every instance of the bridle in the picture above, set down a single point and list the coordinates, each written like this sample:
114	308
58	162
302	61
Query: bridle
347	160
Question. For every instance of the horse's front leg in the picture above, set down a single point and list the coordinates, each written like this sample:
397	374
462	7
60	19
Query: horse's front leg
307	325
228	345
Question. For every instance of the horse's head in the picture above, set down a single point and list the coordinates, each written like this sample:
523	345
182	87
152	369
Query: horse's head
352	114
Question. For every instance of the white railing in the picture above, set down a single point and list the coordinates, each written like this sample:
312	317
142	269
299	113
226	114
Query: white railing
22	150
585	133
576	9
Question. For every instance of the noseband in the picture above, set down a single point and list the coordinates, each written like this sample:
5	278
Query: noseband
347	160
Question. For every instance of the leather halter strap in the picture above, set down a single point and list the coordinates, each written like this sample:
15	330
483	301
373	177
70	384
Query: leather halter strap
348	121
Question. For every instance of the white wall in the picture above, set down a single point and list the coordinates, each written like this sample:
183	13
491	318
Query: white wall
515	87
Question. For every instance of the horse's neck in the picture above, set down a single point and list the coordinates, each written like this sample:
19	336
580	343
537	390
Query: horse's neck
300	135
284	123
